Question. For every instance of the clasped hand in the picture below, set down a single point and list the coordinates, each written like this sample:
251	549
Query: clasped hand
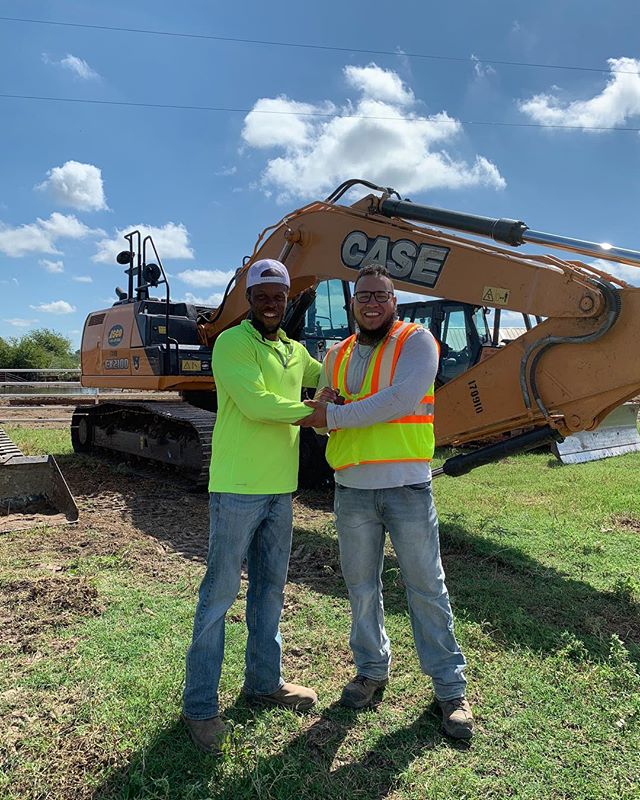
318	418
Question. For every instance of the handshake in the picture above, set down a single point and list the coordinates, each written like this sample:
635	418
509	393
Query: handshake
318	417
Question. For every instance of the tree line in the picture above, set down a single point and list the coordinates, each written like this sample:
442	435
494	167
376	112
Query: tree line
39	349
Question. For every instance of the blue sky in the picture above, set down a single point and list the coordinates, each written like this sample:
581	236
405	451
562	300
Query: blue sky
73	175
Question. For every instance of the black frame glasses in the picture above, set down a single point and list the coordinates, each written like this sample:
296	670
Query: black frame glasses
380	297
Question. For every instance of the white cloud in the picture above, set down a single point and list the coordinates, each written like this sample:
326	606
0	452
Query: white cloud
171	240
213	300
280	127
14	281
511	319
83	278
226	171
412	297
206	278
55	307
20	323
41	236
51	266
481	70
618	102
77	185
378	137
78	66
625	272
379	84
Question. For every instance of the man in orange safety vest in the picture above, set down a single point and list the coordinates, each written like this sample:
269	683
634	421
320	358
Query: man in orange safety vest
381	443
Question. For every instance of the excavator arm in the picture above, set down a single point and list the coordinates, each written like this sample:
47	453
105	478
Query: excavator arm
566	374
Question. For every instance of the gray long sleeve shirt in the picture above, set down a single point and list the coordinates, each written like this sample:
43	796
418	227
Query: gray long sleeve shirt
415	373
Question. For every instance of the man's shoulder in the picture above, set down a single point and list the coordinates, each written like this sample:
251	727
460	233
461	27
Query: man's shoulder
300	349
419	343
234	334
421	334
236	339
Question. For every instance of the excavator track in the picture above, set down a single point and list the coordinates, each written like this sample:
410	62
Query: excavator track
174	434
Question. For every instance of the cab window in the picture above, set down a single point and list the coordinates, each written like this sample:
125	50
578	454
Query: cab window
326	320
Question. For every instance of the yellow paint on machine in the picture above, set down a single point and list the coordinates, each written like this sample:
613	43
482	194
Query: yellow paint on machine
191	365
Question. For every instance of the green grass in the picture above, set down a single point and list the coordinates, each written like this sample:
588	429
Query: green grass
34	441
543	568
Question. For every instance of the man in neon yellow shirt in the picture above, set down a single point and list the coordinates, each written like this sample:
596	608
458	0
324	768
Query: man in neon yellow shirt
259	373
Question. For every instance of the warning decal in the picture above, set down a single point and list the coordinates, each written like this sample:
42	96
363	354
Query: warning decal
495	296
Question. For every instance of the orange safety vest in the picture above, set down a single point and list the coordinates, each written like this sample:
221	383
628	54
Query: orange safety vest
409	438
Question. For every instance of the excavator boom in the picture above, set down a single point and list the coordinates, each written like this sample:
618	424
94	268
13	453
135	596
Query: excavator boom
567	373
562	376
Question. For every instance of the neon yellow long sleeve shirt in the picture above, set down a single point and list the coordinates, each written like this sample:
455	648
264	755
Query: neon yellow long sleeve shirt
258	381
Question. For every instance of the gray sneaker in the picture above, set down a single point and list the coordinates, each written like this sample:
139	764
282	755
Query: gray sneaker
457	718
206	734
361	691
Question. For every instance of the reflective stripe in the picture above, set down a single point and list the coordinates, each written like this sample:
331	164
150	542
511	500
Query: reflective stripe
412	418
385	461
404	335
385	359
340	351
412	440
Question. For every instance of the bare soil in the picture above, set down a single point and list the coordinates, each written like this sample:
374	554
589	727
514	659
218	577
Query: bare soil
149	518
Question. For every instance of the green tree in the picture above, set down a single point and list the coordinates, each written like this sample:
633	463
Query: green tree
43	349
6	353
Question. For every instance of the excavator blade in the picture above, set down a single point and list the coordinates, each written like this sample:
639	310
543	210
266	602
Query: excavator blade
616	434
32	490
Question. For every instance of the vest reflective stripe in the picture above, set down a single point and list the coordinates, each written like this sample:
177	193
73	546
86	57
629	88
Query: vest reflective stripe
410	439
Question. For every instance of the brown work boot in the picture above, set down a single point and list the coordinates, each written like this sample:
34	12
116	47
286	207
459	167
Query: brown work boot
289	695
457	719
206	734
360	692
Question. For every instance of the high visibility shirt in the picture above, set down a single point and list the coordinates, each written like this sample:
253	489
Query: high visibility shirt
258	381
405	439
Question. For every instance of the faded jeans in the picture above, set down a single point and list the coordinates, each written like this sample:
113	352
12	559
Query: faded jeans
409	514
258	528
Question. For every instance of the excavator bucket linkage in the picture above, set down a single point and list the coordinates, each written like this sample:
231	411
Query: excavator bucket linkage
32	490
617	434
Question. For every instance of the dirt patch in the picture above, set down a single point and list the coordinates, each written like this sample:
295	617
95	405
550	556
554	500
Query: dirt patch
40	513
313	560
313	507
33	606
626	523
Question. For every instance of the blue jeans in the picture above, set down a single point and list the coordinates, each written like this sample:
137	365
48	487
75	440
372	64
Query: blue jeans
258	528
409	514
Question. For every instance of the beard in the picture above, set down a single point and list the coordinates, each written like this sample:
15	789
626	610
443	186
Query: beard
371	338
264	329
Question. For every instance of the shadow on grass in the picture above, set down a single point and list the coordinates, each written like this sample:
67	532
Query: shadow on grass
314	765
513	596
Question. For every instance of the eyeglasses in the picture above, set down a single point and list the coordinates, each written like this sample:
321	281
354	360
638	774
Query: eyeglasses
380	297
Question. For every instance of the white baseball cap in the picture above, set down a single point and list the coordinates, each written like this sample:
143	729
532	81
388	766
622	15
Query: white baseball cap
267	270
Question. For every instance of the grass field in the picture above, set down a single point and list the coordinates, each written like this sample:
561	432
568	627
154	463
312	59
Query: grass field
543	568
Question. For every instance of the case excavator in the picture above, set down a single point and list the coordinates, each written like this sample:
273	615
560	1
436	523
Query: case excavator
577	361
